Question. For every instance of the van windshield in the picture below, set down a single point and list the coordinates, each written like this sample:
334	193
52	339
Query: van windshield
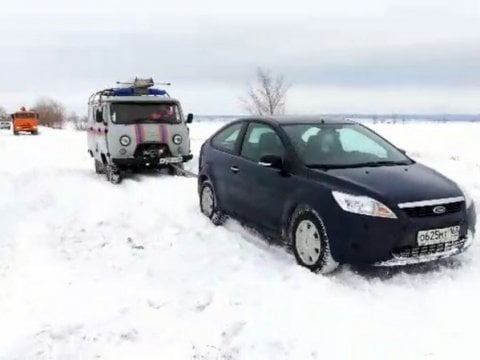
25	115
134	113
342	146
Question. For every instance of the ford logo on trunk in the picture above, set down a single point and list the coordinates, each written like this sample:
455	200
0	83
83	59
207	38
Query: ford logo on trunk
439	210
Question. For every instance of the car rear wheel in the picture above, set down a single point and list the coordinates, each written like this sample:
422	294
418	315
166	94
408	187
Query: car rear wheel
310	243
208	204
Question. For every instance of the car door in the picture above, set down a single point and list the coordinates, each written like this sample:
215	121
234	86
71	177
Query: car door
220	161
261	191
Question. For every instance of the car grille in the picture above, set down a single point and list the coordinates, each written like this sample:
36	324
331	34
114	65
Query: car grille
411	251
425	211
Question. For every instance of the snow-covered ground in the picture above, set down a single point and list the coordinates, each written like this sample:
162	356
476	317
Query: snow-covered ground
89	270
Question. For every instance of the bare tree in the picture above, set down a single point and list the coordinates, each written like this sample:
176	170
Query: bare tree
267	96
77	121
51	112
3	114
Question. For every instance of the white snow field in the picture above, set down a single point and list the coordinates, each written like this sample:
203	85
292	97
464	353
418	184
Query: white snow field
89	270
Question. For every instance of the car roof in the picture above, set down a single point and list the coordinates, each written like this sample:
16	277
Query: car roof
301	119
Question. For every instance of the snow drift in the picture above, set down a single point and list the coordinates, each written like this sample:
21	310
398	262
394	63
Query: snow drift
89	270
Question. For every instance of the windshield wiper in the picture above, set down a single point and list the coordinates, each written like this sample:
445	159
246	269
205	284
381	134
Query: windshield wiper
153	121
328	166
382	163
359	165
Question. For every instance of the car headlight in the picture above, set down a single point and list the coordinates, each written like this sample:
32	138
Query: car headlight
177	139
125	140
362	205
466	195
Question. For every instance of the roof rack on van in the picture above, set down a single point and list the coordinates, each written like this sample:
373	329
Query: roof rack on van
136	87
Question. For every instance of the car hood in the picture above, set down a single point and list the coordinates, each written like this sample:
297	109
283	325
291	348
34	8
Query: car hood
397	184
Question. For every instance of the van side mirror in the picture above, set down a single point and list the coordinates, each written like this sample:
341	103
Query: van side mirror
189	118
403	151
99	116
273	161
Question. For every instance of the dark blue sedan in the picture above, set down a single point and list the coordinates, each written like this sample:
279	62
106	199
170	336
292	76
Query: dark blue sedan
334	191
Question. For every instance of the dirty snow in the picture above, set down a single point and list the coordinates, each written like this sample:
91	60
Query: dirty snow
94	271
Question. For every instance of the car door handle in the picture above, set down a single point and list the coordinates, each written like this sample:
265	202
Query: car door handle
234	169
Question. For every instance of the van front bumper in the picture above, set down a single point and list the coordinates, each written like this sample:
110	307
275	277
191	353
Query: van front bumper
149	161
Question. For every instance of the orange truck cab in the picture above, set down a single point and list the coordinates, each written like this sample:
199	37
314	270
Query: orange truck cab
26	121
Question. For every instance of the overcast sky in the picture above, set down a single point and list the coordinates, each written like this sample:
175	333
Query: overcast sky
339	56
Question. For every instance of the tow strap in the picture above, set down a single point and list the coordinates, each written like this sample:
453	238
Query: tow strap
183	172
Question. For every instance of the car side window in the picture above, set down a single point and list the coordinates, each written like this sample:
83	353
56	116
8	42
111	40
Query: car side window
261	140
226	139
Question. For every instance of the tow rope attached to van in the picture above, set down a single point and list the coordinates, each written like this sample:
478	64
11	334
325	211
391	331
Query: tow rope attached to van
182	171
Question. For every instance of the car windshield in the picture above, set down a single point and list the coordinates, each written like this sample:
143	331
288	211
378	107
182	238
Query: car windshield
132	113
342	146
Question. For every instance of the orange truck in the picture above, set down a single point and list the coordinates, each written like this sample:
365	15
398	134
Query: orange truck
26	121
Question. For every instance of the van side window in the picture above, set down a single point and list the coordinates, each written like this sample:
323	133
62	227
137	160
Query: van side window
227	138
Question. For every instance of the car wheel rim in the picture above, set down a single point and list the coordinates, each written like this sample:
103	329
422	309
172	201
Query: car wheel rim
207	201
307	242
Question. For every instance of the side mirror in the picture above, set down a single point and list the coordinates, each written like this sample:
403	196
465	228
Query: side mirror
189	118
273	161
403	151
99	116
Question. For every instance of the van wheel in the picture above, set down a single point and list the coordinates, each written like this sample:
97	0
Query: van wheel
15	132
99	168
113	174
34	132
310	243
208	204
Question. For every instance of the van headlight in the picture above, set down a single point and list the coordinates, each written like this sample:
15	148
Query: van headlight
362	205
177	139
125	140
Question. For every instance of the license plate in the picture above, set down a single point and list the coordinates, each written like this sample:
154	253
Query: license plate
436	236
172	160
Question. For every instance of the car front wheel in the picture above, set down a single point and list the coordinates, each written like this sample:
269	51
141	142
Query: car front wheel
310	243
208	204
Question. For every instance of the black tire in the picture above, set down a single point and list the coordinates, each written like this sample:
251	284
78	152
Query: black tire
99	168
315	256
113	174
34	132
216	216
15	133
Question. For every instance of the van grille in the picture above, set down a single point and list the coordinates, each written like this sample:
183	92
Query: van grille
411	251
152	150
425	211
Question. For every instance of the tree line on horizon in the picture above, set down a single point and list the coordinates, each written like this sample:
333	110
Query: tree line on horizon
52	114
